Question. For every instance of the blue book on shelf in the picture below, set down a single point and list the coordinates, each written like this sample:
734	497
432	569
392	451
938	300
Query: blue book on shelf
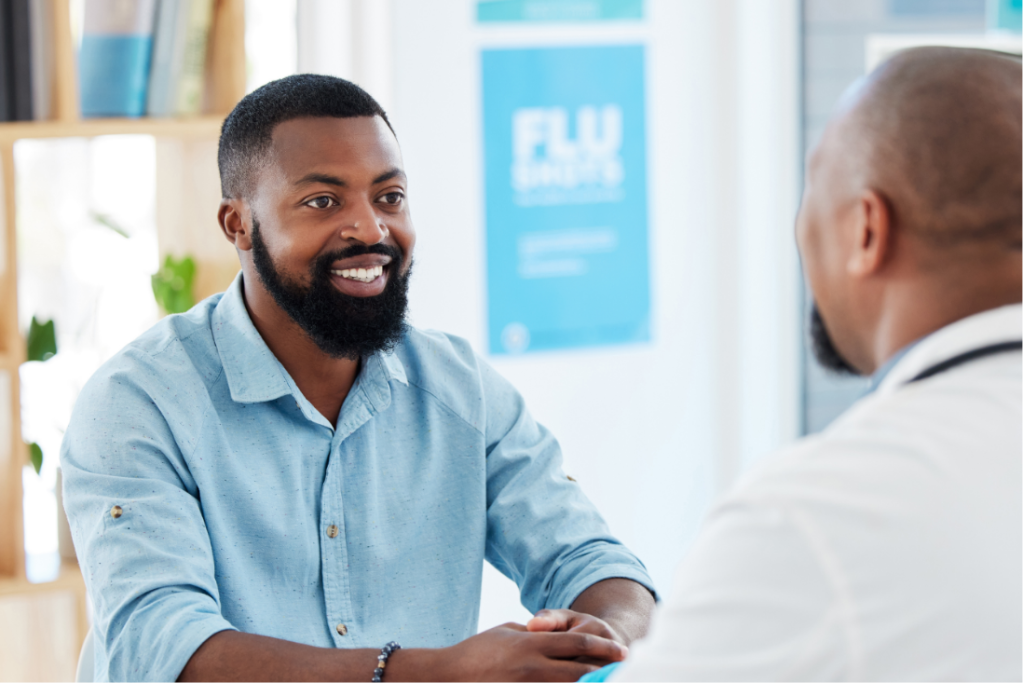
117	43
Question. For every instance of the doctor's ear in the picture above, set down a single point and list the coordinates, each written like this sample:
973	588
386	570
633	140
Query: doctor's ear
235	220
872	239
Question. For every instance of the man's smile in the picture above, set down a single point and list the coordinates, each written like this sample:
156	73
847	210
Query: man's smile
360	274
364	275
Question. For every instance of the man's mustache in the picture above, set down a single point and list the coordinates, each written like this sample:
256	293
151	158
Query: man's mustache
324	262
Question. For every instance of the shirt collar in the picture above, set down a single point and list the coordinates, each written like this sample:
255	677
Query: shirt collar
882	372
982	329
254	374
393	367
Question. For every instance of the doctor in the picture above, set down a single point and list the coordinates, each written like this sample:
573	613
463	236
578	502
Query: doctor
888	546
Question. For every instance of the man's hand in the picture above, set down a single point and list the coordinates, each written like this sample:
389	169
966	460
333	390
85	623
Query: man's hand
573	622
512	653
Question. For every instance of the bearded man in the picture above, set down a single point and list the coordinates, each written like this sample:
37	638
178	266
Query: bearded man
288	481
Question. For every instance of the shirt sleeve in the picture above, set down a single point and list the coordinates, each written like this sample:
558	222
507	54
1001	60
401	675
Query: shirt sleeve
754	600
148	567
542	531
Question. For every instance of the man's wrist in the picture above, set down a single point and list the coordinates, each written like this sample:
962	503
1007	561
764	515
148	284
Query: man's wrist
418	664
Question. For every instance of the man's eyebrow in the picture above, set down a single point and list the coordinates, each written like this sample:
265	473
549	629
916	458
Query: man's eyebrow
324	178
393	173
327	179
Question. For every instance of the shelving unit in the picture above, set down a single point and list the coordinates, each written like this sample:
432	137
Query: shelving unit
42	624
204	127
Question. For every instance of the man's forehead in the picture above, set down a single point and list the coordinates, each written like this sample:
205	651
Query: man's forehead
359	143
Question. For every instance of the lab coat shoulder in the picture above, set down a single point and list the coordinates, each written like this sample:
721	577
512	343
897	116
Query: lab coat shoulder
919	444
887	547
909	506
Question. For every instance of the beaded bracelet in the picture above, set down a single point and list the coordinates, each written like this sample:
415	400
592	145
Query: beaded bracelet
385	653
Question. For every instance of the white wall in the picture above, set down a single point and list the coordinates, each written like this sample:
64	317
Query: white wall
652	432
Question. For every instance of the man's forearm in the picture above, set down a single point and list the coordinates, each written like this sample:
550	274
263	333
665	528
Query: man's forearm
624	604
503	653
234	656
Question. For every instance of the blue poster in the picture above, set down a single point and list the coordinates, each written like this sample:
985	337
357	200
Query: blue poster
1005	15
558	10
566	198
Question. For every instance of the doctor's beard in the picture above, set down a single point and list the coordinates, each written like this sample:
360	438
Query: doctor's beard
824	348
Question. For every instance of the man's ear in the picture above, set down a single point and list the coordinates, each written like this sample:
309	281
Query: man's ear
235	220
872	241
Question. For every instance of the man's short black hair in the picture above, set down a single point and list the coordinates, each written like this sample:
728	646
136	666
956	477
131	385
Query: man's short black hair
247	131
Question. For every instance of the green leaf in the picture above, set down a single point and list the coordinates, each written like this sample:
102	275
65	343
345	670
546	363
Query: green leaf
109	222
172	284
35	455
42	340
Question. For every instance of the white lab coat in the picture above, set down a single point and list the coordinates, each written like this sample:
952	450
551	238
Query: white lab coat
888	547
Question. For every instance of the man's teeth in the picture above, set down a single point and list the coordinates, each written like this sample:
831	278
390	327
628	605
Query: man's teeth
360	274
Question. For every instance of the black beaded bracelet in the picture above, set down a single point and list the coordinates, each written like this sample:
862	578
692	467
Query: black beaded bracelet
385	653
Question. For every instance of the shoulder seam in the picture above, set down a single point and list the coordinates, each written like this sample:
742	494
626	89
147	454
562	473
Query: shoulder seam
162	346
444	404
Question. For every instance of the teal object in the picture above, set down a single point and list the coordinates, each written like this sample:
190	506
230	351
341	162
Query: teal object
566	198
558	10
1005	15
601	674
114	73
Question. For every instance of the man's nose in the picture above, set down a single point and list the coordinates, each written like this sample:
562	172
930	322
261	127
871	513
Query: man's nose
362	224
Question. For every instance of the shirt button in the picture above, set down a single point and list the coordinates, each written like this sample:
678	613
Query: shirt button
342	630
332	532
116	511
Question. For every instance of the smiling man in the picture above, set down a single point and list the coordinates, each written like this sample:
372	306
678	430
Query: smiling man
286	479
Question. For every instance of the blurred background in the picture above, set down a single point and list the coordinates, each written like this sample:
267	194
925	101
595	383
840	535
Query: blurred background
604	193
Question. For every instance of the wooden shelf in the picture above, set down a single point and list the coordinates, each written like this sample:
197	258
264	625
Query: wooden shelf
196	127
42	624
9	362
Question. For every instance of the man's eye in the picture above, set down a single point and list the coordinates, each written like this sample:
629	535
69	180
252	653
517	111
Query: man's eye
321	202
393	198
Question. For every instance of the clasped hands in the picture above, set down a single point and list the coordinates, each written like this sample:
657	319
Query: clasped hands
555	645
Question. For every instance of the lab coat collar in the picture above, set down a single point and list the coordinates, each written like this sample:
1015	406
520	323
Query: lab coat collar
1004	324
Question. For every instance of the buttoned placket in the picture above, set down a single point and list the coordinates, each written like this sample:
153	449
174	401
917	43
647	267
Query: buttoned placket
358	409
369	395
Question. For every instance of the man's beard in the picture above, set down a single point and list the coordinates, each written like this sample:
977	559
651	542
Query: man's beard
824	348
342	326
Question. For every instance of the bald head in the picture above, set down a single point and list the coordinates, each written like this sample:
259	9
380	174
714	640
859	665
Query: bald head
911	216
937	131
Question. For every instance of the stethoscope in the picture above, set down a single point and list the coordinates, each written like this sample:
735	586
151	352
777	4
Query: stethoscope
961	359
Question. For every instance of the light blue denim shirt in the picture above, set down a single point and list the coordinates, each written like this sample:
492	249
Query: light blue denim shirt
243	508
